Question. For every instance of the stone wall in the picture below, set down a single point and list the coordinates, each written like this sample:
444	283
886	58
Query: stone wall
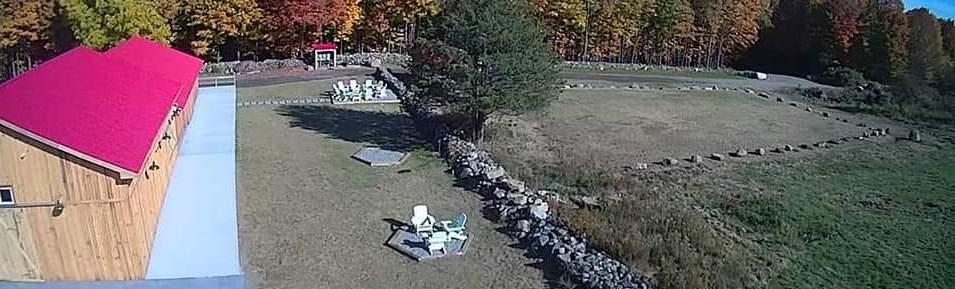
526	213
245	67
636	67
375	59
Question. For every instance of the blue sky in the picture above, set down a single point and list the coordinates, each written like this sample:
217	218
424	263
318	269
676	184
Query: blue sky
941	8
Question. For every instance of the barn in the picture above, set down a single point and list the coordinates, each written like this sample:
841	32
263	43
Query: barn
88	141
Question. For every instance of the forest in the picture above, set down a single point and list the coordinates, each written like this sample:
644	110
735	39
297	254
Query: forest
877	38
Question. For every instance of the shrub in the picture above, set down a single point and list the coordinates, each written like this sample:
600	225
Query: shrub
841	76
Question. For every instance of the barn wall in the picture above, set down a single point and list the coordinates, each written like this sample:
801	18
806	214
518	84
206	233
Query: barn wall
106	229
181	120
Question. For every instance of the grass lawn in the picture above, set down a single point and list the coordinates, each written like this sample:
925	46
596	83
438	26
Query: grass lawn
312	217
876	218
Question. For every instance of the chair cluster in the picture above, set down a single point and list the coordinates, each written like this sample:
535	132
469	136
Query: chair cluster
437	235
354	92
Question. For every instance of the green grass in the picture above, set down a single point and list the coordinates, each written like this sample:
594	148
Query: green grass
879	218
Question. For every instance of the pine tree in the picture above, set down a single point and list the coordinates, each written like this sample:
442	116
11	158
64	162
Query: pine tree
102	23
484	57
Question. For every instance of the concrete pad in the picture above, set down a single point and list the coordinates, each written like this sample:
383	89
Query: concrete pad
413	246
197	234
377	157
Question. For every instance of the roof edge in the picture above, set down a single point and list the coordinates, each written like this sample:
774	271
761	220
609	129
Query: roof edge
123	173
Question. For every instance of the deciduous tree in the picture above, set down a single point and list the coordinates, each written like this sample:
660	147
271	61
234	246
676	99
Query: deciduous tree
291	25
927	58
206	24
101	23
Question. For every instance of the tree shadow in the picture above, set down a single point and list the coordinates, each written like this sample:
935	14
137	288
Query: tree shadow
387	130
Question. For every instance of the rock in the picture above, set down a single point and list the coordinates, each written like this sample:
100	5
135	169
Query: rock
809	109
789	148
915	135
861	124
670	161
517	199
793	104
825	114
696	159
865	134
642	166
523	226
886	131
495	173
804	146
845	120
760	151
567	86
780	99
740	153
764	95
515	185
581	85
500	193
585	201
821	145
540	211
750	91
718	157
612	87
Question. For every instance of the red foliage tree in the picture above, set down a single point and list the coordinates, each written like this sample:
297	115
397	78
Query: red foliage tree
290	25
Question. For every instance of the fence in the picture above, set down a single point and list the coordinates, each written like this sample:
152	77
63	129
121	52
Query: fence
216	81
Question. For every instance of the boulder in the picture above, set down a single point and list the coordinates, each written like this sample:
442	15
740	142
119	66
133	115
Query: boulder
804	146
495	173
696	159
825	114
585	201
760	151
500	193
809	109
789	148
670	161
540	211
718	157
523	226
740	153
517	199
514	185
642	166
780	99
915	135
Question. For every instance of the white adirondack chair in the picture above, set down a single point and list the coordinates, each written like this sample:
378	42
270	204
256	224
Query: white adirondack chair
422	222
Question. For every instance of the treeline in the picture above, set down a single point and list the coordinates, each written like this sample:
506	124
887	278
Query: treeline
799	37
34	30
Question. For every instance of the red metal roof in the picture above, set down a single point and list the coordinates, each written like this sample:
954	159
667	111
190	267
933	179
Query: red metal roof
90	105
162	60
324	46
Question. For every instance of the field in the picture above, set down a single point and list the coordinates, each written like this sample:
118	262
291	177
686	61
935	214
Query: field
617	127
311	217
877	208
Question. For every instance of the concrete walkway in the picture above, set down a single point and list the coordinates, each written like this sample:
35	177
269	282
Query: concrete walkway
197	235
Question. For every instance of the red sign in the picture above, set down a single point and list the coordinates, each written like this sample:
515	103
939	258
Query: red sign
324	46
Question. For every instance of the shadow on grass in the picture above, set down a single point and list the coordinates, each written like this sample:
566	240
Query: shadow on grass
391	131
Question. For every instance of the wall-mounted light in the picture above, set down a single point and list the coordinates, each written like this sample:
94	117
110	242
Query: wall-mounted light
58	209
153	166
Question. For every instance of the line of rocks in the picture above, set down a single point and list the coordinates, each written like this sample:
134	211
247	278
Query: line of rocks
914	135
375	59
527	216
635	67
317	99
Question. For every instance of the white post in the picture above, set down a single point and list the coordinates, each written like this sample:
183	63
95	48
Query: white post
315	56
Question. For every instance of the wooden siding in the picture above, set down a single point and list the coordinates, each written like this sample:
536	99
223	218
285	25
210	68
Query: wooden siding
107	227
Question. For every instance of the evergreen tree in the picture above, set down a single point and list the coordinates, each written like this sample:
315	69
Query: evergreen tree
484	57
101	23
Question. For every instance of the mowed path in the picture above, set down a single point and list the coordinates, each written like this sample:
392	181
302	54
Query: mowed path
310	217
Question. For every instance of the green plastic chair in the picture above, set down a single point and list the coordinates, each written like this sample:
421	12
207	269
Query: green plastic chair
455	227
